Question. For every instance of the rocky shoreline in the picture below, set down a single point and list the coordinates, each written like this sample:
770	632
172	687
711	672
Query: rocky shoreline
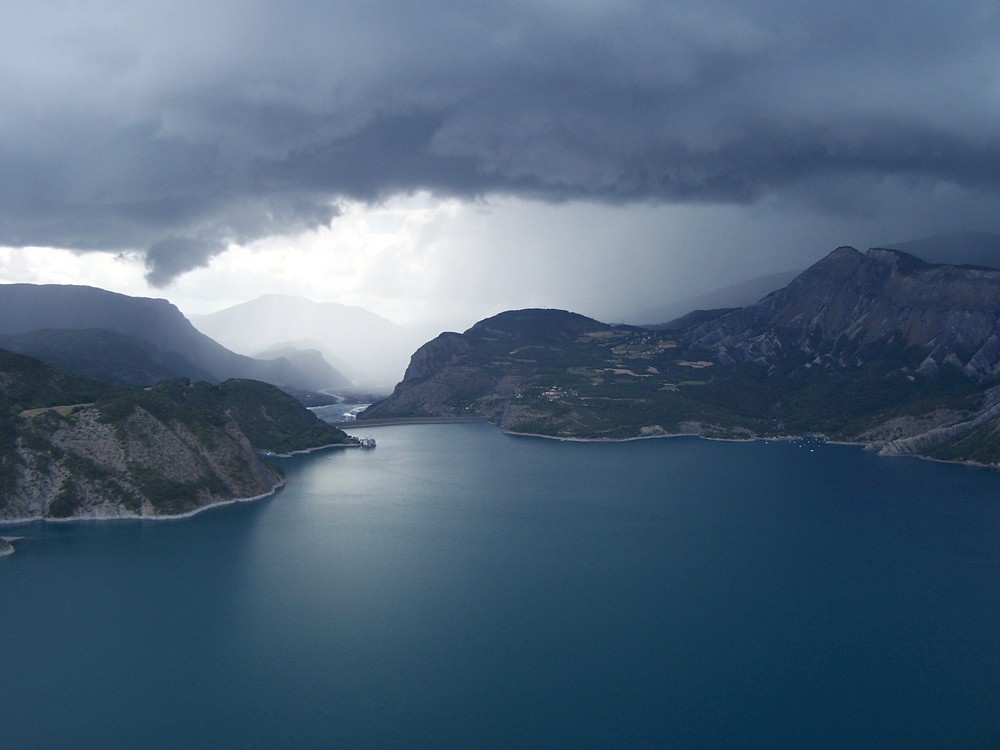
886	449
6	548
889	448
884	444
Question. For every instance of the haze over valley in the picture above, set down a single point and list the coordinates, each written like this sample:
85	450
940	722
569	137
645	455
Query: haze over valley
371	350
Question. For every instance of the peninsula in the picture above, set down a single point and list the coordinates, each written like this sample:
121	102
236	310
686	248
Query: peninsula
71	447
878	348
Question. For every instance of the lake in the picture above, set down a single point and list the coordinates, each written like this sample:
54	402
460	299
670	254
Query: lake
458	587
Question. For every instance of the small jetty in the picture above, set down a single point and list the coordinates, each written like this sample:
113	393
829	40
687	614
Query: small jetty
366	442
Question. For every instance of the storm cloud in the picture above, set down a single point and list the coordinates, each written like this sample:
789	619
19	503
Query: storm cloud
176	129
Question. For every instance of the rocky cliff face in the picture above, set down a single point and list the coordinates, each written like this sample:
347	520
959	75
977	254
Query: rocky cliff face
76	448
877	347
479	371
84	465
851	307
434	382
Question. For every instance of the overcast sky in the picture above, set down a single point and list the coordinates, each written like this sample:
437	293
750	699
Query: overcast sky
446	160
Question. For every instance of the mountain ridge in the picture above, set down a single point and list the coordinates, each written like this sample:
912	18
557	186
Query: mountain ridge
66	324
343	333
849	300
880	348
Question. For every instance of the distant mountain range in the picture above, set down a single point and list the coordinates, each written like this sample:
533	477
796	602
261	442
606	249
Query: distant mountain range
370	349
880	348
137	341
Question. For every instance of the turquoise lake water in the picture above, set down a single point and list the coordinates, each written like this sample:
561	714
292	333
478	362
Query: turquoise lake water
457	587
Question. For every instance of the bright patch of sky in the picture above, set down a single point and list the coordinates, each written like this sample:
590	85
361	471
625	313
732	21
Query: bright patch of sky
418	259
424	260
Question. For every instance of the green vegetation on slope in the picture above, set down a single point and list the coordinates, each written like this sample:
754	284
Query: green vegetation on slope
174	446
562	376
270	418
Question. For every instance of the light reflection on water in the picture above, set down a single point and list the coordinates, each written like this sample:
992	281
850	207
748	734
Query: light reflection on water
457	587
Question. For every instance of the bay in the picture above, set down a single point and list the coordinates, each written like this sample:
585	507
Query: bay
458	587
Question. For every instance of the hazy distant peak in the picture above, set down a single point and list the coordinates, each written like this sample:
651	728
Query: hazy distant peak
283	351
286	304
373	349
302	345
178	348
280	296
297	299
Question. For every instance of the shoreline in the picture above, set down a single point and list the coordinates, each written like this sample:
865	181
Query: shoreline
403	421
280	484
174	516
751	437
139	517
760	438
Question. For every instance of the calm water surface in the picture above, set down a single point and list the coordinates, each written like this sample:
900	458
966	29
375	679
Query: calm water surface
457	587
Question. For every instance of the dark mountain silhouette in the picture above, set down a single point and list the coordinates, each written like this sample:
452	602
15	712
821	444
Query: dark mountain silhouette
132	340
103	354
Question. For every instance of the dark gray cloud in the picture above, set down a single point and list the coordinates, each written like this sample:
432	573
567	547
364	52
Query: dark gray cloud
178	128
